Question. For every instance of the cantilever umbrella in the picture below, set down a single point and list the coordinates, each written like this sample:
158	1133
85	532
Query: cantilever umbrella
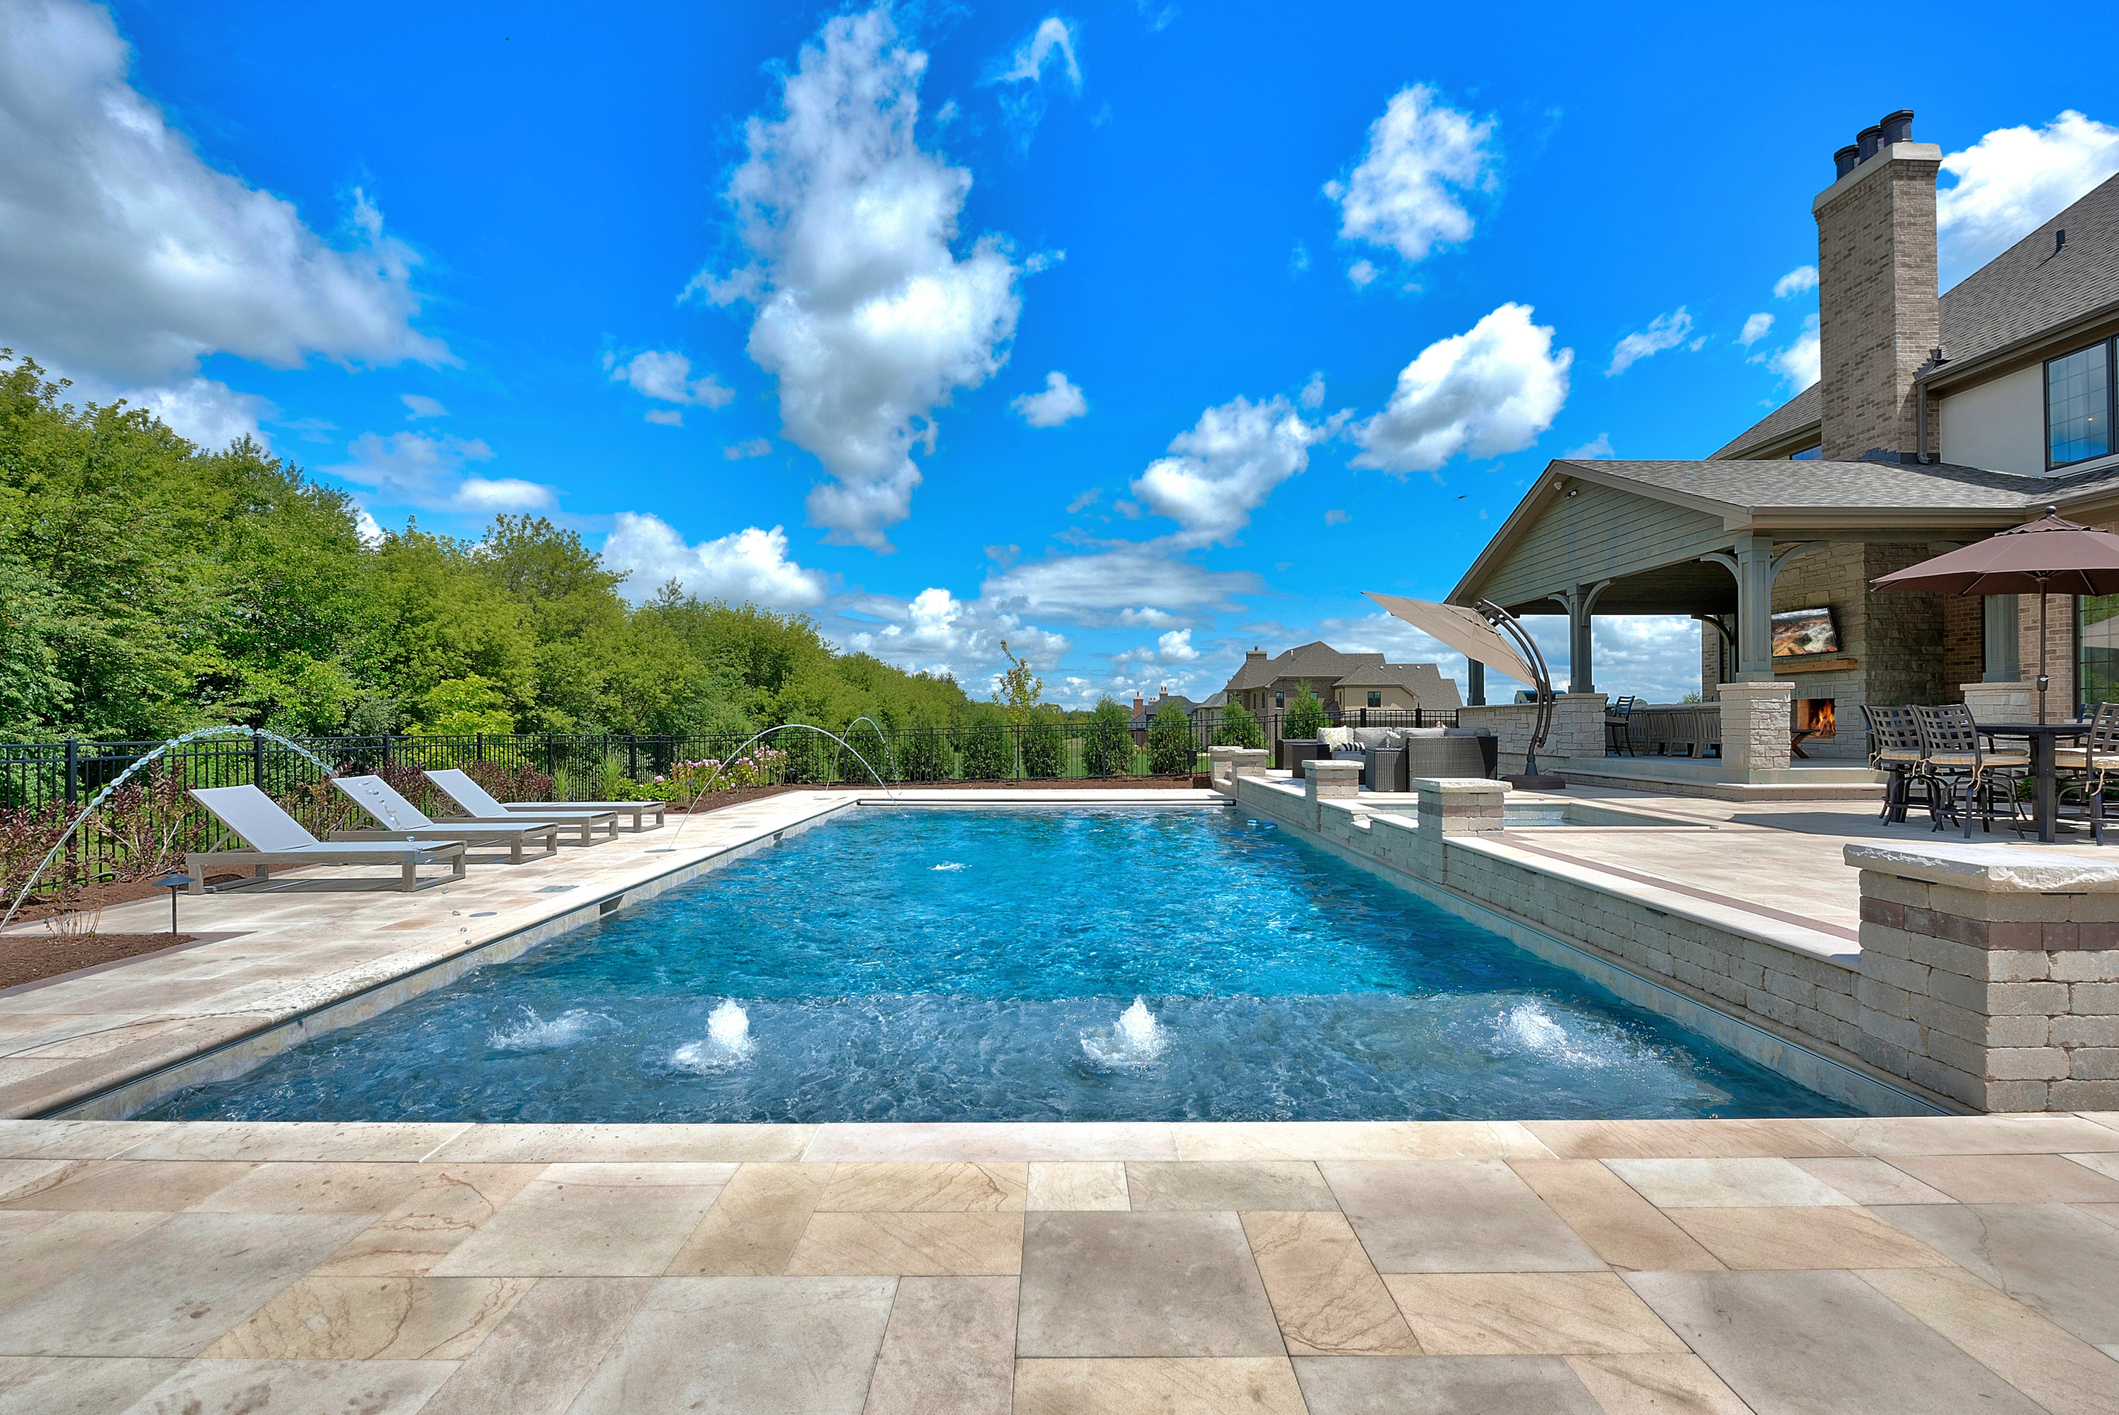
1466	630
2045	556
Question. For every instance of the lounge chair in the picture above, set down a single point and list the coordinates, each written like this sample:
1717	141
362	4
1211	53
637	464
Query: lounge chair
399	819
275	838
477	804
460	788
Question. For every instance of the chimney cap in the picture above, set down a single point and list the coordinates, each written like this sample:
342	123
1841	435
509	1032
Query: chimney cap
1866	142
1845	159
1897	126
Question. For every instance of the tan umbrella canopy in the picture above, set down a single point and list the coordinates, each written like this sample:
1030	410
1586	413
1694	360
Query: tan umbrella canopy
2045	556
1465	630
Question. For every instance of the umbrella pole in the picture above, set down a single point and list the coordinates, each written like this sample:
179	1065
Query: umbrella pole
2043	645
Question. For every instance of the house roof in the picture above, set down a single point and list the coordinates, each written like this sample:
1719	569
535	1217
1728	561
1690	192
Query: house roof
1317	661
1425	681
2019	296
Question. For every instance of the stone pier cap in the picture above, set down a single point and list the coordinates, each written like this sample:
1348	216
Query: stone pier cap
1991	869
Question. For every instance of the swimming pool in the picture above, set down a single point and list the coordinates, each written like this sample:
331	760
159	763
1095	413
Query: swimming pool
1035	964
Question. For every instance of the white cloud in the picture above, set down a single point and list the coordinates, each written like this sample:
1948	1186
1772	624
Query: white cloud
1337	518
1796	282
756	447
1124	583
208	412
1798	363
1084	500
1487	391
1299	258
1227	465
1312	395
1665	331
666	376
864	313
416	469
367	527
1363	273
935	632
666	417
1599	446
1175	647
422	406
1060	401
1051	39
1756	328
749	566
1405	193
2014	180
130	258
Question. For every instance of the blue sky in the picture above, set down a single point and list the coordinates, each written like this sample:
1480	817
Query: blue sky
1133	334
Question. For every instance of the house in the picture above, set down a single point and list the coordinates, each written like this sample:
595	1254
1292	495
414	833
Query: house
1349	682
1144	711
1938	419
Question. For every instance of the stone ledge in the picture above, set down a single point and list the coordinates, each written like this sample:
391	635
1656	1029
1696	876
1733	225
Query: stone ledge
1989	868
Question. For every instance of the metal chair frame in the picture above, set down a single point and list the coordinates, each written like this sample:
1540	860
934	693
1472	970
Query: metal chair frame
1895	750
1951	747
2097	761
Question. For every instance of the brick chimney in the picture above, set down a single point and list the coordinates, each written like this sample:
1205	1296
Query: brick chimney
1138	702
1254	656
1879	312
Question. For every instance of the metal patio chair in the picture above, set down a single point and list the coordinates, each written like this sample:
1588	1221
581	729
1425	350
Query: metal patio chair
2090	767
1894	749
1953	752
1618	729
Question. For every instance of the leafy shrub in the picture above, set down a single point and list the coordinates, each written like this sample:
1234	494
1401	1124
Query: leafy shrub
985	750
149	823
1237	728
321	807
466	706
921	754
1305	717
26	834
511	783
1170	748
1107	745
1044	748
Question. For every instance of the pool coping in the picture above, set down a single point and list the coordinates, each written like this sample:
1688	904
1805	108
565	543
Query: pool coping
121	1097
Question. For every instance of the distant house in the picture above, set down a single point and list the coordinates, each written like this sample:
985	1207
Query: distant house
1144	710
1347	681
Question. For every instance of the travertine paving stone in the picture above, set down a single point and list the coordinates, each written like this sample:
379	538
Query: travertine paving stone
1158	1386
1528	1314
47	1246
1454	1216
77	1385
1686	1139
1870	1181
2060	1371
1625	1229
1328	1298
916	1244
1228	1184
582	1230
934	1187
369	1387
544	1351
2011	1179
2053	1258
950	1346
126	1184
1808	1237
449	1205
746	1346
374	1318
1134	1284
1723	1183
172	1289
752	1229
1441	1385
312	1188
1635	1384
1078	1184
1858	1351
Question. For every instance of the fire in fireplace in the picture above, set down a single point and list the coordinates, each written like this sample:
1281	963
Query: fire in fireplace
1815	716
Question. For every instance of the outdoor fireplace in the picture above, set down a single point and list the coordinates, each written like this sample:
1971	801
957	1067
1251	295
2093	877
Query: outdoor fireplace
1816	717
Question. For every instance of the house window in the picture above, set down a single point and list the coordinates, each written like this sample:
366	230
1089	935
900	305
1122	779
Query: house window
2078	405
2002	663
1375	698
2097	650
1808	454
1280	700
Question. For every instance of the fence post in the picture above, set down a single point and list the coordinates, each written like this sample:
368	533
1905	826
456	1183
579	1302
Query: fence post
257	760
73	771
1416	715
632	755
480	746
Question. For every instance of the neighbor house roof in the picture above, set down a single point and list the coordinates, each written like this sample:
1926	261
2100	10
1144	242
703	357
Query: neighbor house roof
1424	680
2019	297
1318	661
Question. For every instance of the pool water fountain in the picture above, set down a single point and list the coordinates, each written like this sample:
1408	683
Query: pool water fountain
721	766
1135	1039
728	1041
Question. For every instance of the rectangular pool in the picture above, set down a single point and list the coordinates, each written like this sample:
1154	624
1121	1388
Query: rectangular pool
1036	964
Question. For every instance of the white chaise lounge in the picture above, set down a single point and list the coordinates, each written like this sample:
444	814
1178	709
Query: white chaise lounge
477	804
272	837
478	801
398	819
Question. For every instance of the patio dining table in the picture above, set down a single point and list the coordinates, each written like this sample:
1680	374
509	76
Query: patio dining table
2044	738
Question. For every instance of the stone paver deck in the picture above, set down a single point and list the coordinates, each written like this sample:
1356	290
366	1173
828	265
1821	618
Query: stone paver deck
1914	1265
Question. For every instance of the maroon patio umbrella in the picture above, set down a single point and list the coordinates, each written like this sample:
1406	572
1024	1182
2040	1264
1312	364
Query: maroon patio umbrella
2046	556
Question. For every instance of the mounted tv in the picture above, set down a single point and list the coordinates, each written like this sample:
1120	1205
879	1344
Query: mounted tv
1804	631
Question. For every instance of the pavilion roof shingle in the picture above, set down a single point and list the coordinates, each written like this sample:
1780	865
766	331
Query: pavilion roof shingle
1883	485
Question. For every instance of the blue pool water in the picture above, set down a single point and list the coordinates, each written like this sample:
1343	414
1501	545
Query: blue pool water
1047	964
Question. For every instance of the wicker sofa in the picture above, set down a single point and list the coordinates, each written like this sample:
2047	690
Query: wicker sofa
1394	757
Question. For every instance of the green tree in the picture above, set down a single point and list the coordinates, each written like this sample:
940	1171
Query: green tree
1020	687
465	706
1044	745
1305	717
1171	751
1237	728
984	744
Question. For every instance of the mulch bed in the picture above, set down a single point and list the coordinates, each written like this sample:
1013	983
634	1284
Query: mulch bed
29	958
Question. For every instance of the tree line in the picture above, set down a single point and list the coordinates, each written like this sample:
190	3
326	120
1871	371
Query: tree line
149	586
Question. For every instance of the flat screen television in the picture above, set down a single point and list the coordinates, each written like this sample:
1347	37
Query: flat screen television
1804	631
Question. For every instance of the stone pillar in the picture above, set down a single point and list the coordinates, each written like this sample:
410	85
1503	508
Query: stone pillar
1328	778
1991	974
1578	726
1453	806
2001	702
1756	718
1228	763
